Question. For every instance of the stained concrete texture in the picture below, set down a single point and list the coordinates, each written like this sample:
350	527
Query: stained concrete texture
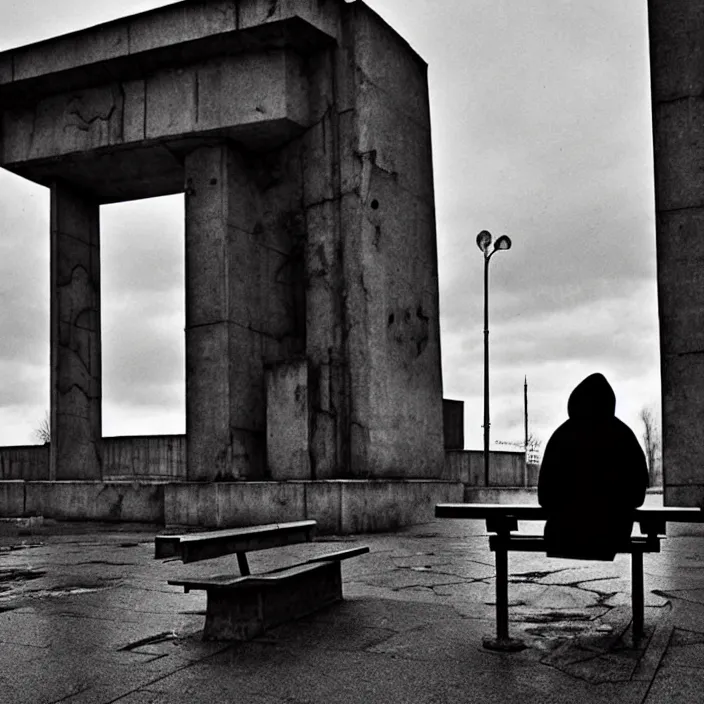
86	615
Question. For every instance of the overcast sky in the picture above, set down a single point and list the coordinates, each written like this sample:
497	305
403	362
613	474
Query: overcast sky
541	131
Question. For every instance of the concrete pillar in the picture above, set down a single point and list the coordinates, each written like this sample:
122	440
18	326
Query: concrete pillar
225	394
75	336
677	76
327	381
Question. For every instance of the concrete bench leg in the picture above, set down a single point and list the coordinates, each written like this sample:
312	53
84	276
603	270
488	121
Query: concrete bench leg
246	611
637	593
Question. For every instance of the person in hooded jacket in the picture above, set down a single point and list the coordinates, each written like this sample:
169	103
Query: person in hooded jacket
592	476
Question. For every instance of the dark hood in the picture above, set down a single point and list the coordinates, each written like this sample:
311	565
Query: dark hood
592	399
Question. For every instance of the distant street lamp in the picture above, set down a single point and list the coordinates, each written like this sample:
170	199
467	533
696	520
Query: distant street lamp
484	243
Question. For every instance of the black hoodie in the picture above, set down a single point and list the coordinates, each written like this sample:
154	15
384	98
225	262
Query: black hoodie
592	475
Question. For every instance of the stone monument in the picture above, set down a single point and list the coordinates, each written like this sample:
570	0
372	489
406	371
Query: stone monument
299	134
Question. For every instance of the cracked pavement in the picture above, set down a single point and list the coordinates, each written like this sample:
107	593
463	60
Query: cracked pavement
86	615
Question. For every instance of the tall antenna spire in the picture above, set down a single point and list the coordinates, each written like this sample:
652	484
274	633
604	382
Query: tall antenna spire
525	412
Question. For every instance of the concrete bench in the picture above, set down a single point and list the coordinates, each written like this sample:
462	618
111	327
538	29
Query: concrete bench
502	521
242	606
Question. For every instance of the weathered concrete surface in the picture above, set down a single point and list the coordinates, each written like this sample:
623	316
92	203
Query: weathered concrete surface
154	457
96	501
339	506
505	468
143	457
24	462
76	377
140	457
287	415
87	616
388	239
501	495
225	401
367	507
12	498
96	90
676	49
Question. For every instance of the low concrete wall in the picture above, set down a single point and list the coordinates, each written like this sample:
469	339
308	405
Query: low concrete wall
501	495
163	457
505	468
141	457
95	501
12	495
339	506
30	462
145	457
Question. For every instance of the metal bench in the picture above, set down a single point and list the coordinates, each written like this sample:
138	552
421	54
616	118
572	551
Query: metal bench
242	606
502	521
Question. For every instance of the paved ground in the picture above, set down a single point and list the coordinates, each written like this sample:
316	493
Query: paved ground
86	616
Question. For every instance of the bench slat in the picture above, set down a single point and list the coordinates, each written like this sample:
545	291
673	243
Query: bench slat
284	574
230	581
205	546
534	512
340	554
328	557
216	580
536	543
234	580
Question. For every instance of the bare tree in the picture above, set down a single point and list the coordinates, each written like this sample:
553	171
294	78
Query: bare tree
43	431
532	450
651	444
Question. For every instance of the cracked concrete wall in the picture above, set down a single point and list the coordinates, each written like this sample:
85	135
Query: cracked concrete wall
390	255
170	103
287	414
28	462
677	85
76	428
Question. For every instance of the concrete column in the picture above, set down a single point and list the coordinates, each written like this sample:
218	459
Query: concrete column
677	77
75	336
225	394
327	387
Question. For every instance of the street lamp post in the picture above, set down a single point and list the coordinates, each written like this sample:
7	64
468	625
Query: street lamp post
484	240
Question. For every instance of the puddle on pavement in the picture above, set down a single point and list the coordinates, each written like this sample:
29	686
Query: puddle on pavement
555	616
11	581
22	546
16	574
63	591
554	626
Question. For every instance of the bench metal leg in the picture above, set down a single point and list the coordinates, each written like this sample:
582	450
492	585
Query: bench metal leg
502	641
637	595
